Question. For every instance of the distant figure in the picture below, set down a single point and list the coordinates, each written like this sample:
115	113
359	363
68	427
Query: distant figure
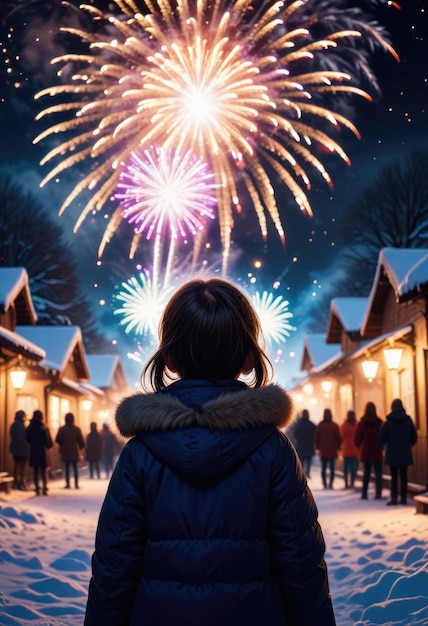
71	442
39	438
349	449
20	450
327	442
94	450
398	433
304	433
110	449
370	452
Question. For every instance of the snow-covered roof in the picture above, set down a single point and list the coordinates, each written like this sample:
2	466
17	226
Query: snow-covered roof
350	312
102	369
71	384
346	314
392	336
406	268
319	353
13	281
20	344
60	344
89	389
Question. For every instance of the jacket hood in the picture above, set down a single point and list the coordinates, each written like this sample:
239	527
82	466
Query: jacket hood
397	416
370	419
204	429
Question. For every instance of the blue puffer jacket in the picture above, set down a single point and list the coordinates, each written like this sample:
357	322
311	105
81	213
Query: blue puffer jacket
208	519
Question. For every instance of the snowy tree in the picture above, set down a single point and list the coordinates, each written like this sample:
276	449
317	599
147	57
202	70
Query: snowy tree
391	212
30	238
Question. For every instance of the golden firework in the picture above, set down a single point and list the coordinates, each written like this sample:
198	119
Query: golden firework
236	86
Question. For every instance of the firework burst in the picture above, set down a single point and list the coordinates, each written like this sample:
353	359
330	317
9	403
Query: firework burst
274	316
238	87
163	189
141	304
166	195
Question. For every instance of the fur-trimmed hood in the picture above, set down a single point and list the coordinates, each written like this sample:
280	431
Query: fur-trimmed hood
203	428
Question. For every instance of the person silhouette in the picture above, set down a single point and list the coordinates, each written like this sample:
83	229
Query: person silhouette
71	442
328	442
370	451
39	438
304	435
349	449
208	518
398	434
94	450
20	450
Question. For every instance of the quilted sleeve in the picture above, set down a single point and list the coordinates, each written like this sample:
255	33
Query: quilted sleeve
119	545
297	543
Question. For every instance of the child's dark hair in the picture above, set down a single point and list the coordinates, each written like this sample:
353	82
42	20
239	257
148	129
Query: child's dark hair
209	329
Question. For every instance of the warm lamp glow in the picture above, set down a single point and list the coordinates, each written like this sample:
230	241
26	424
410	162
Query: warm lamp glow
18	378
370	369
326	386
87	405
308	389
393	358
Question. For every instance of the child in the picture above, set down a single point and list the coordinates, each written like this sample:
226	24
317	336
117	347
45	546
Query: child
208	518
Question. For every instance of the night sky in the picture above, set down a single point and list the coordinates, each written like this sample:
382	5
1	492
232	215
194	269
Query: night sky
392	127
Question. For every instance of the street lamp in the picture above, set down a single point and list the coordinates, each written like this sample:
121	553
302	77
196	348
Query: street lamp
18	377
393	358
308	389
87	404
327	386
370	369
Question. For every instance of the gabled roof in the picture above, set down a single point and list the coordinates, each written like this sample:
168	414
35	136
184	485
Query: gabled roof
88	388
317	354
386	339
13	343
14	288
345	314
405	271
106	371
61	344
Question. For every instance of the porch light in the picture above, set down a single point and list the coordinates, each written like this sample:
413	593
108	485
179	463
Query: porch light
327	386
308	389
393	358
18	377
370	369
87	405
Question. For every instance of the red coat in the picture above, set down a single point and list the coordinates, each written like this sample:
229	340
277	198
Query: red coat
327	439
347	432
366	438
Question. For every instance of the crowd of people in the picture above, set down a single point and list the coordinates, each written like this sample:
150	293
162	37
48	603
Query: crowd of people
208	515
29	445
370	441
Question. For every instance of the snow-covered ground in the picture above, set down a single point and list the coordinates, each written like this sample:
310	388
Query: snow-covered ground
377	556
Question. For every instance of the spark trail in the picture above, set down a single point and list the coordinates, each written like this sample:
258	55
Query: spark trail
242	88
